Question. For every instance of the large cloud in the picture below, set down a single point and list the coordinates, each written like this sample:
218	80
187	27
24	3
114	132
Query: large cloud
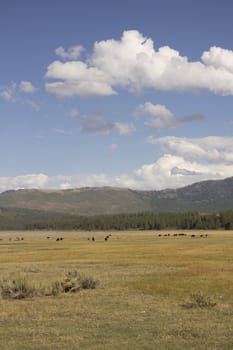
172	171
134	64
169	171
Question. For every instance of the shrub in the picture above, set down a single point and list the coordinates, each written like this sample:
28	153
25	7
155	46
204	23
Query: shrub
88	283
18	288
56	288
199	300
74	282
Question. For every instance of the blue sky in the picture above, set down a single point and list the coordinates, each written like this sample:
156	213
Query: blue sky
133	94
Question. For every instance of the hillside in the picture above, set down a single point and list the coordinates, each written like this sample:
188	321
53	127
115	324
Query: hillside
84	201
214	195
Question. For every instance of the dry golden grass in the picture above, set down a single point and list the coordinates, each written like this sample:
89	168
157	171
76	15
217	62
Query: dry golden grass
143	282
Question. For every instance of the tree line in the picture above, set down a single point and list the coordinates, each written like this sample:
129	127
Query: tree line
139	221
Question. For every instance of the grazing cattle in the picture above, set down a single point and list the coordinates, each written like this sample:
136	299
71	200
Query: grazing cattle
160	235
58	239
93	239
48	237
106	238
88	239
193	236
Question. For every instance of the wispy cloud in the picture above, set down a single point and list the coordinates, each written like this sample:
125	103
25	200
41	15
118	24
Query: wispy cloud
113	147
27	87
213	149
96	123
162	118
63	132
8	93
14	93
71	54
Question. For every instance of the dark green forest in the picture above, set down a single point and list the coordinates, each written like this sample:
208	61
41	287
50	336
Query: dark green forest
15	219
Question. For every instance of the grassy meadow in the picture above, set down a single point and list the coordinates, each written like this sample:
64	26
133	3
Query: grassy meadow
152	293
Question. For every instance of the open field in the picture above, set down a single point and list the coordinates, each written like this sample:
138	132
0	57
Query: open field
143	299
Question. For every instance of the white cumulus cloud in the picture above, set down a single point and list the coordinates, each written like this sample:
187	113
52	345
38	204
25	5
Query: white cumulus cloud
133	63
76	78
218	58
169	171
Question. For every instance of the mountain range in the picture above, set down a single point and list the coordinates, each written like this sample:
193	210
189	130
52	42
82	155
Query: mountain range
205	196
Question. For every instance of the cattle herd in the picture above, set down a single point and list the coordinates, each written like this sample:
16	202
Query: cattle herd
106	238
182	235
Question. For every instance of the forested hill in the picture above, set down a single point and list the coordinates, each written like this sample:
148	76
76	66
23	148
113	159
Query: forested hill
206	196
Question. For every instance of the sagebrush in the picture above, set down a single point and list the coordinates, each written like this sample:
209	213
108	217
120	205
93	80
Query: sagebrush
21	287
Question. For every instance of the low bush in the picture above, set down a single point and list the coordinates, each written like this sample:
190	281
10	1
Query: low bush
55	289
21	288
17	288
199	300
74	282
